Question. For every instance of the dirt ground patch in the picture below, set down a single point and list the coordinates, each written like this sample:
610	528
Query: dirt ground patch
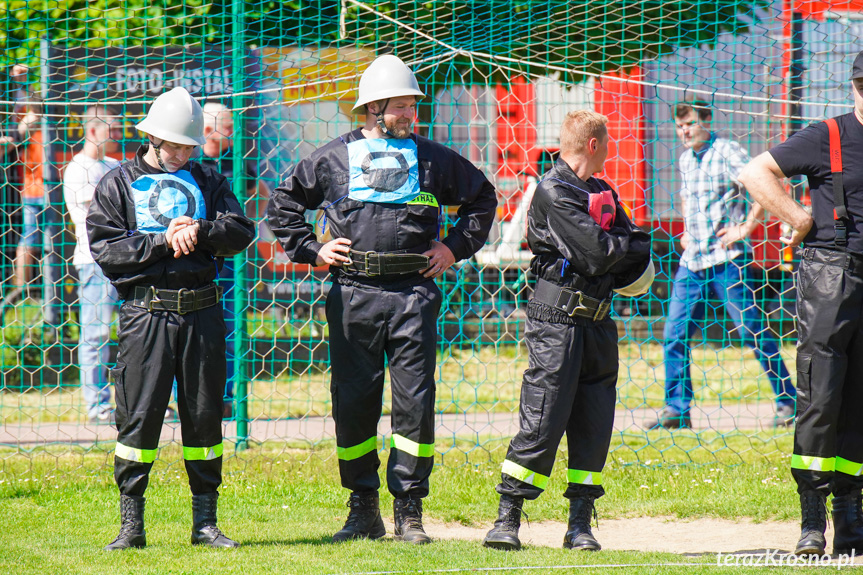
658	534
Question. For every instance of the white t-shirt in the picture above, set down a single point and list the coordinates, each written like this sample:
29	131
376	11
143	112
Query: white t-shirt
79	183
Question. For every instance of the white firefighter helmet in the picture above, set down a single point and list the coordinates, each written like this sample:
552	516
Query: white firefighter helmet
175	117
386	77
642	284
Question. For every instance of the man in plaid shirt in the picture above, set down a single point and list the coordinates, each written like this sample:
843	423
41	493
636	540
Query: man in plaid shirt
717	222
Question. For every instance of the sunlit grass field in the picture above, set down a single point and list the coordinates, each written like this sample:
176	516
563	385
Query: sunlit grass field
283	504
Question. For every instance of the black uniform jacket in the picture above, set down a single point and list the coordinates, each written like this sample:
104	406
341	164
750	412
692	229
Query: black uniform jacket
321	181
136	253
569	246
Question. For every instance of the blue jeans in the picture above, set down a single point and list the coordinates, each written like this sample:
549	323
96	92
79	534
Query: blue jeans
97	299
688	298
33	218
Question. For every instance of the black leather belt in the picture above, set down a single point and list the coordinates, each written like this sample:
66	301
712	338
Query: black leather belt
181	301
386	263
571	302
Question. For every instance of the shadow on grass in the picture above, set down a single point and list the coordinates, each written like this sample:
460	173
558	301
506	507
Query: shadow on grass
323	540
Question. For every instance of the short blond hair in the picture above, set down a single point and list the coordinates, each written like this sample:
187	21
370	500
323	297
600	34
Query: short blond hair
579	127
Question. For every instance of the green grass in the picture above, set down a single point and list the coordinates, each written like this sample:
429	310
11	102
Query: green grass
284	504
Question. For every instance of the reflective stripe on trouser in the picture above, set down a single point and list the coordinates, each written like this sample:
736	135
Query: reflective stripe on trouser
368	325
828	438
149	455
356	451
569	387
133	454
584	477
154	348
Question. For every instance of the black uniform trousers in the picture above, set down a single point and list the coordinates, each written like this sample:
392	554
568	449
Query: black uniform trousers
569	386
154	348
828	440
367	325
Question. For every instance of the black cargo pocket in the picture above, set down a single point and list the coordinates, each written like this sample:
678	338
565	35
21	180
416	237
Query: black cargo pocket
531	410
807	273
334	396
423	213
804	382
348	205
118	376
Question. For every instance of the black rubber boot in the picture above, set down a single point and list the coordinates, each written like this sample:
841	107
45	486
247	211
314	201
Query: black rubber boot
813	512
848	524
408	517
364	519
132	532
578	534
204	529
504	534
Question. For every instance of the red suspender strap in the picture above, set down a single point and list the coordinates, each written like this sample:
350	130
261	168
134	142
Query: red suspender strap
835	146
840	214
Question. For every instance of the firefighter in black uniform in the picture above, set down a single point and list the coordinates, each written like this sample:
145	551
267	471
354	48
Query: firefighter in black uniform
584	247
828	439
160	226
381	189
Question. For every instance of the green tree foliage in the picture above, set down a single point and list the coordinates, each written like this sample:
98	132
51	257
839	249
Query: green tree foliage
123	23
526	36
577	35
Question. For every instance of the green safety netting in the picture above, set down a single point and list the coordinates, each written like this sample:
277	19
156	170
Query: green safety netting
278	78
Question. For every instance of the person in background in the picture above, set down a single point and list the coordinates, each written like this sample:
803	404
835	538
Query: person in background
97	298
218	153
33	199
717	221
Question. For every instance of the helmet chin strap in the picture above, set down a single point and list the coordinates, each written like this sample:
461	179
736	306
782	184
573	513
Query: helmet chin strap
379	120
158	154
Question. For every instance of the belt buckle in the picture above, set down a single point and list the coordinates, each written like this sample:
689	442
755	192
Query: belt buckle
180	293
373	263
602	309
576	308
154	299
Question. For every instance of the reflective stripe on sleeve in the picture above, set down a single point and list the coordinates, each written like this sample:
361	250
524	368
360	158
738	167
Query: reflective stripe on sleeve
584	477
812	463
356	451
410	447
135	454
524	474
849	467
202	453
